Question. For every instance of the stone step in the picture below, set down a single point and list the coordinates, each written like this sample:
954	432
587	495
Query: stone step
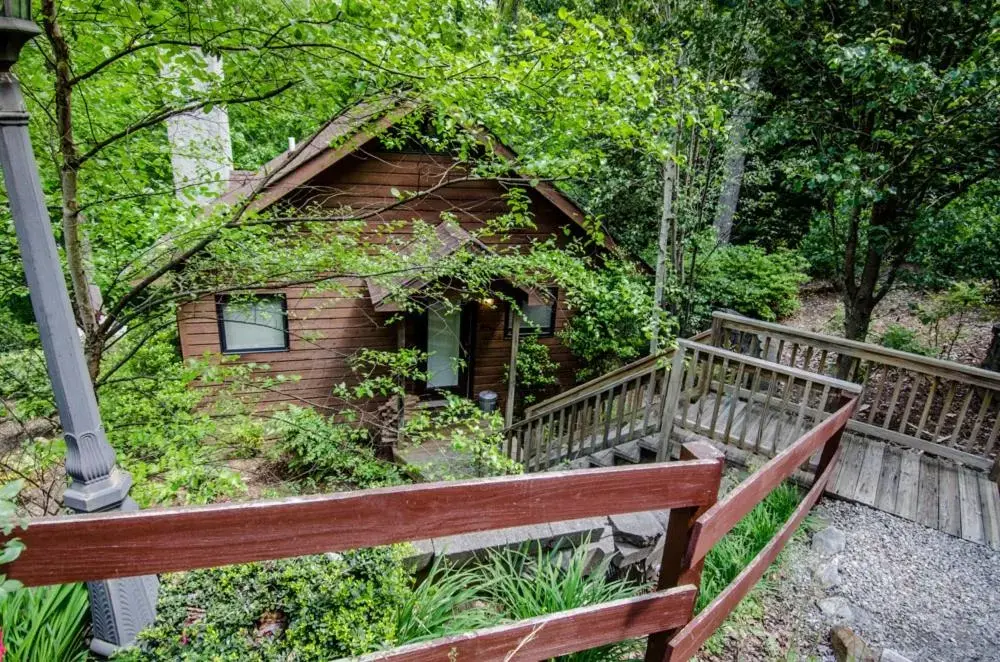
605	458
629	452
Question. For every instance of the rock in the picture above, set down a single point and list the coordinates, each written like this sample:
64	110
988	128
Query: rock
836	608
573	533
829	541
889	655
597	552
420	556
828	574
849	647
639	529
630	554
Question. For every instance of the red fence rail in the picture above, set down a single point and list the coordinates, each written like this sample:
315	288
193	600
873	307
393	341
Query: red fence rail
105	546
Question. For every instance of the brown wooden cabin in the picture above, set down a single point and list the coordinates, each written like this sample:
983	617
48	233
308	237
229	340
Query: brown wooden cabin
312	334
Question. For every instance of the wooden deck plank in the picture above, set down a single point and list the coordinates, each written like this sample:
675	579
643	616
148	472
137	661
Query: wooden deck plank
888	482
949	514
871	470
847	481
972	511
927	497
989	497
909	484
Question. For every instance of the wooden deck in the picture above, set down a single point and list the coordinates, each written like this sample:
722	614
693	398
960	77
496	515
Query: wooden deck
934	492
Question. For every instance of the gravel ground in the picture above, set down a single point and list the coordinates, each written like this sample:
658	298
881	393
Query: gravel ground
921	592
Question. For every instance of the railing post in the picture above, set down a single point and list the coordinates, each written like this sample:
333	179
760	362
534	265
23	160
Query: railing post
674	568
832	445
668	407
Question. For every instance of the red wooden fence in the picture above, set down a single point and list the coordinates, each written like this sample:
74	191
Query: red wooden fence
104	546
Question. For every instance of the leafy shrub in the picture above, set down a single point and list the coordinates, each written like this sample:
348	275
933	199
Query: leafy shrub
751	281
311	608
328	453
536	371
610	324
899	337
46	623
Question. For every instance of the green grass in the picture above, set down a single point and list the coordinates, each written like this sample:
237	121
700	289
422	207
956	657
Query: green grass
738	547
511	585
47	623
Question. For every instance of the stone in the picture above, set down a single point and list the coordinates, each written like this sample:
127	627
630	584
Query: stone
889	655
639	529
528	537
598	552
573	533
420	556
828	574
467	546
849	647
836	608
630	554
829	541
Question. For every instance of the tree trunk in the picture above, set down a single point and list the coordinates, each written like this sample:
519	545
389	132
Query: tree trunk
992	360
857	317
735	158
74	239
663	245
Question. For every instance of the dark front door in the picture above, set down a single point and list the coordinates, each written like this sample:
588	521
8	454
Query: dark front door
450	339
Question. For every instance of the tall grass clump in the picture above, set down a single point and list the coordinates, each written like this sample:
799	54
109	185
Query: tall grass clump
512	585
47	623
444	603
738	547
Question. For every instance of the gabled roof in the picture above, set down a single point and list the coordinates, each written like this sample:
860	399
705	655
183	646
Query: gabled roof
448	239
345	134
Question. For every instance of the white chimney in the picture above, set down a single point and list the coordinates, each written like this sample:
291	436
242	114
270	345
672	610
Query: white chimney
201	151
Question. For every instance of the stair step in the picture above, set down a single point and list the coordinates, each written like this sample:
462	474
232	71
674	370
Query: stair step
650	443
580	463
605	458
628	451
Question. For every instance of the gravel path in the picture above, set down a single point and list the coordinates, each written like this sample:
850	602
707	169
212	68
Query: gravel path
918	591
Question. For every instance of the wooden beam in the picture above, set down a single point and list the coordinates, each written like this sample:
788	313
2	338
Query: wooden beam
515	339
545	637
110	545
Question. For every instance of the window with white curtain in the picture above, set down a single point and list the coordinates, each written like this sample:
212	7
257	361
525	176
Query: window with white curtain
253	324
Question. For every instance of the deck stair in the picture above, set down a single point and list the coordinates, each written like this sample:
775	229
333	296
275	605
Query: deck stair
923	444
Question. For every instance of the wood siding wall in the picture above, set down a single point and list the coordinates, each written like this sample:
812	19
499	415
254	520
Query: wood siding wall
326	328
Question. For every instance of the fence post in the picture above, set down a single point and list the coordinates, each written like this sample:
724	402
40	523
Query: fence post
674	570
832	444
668	408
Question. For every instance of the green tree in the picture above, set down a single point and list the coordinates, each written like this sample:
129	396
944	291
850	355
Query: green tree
885	114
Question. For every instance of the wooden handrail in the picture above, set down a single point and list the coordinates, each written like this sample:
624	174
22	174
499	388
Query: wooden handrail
788	371
110	545
894	357
598	383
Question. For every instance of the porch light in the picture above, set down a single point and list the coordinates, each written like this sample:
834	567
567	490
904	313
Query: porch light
489	302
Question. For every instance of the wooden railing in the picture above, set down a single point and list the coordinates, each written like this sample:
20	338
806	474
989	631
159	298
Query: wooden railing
600	382
111	545
745	402
594	420
939	407
607	411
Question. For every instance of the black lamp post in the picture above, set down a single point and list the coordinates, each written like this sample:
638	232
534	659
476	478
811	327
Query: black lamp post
119	607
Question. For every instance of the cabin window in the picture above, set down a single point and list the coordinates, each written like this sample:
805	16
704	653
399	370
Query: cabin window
538	315
253	324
